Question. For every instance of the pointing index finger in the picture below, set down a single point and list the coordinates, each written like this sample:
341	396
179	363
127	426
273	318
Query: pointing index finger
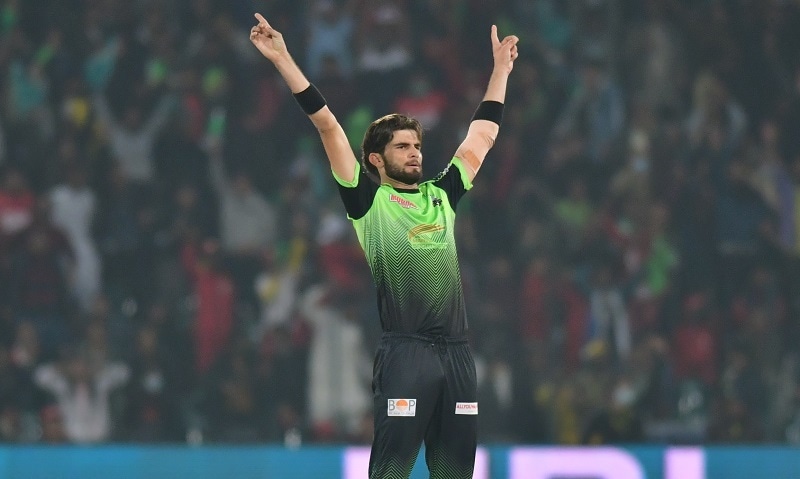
261	20
495	40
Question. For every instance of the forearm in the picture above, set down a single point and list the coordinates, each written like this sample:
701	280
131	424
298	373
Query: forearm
485	124
313	104
496	89
291	73
271	44
295	79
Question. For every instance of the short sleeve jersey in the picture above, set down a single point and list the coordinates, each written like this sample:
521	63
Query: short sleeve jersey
408	239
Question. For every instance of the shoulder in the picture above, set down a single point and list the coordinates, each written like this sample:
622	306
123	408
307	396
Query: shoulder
454	173
357	195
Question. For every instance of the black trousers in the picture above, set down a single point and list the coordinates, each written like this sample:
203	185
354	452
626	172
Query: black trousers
424	390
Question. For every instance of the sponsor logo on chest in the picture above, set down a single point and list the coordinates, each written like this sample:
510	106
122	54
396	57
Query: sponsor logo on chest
424	233
402	202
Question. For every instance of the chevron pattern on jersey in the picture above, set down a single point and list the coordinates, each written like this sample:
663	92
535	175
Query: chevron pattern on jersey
408	240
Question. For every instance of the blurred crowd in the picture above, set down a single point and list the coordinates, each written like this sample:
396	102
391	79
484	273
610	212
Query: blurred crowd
176	265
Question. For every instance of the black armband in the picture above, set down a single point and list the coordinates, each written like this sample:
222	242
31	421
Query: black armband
489	110
310	100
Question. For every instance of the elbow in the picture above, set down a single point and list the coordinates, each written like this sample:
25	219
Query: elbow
326	126
324	120
484	132
489	141
485	140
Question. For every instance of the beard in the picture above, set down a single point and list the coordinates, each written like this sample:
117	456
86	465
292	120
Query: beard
398	173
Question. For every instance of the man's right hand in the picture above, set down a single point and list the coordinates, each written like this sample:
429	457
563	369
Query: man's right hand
504	52
268	40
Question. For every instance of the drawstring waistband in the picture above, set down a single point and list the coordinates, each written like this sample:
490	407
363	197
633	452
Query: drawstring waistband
438	341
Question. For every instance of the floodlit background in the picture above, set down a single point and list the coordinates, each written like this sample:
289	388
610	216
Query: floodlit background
176	266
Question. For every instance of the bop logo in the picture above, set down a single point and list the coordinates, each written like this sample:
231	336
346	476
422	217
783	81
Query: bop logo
402	407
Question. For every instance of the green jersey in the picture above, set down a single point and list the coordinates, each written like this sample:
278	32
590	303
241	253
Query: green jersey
407	238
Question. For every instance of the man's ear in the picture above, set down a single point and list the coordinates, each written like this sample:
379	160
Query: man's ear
376	160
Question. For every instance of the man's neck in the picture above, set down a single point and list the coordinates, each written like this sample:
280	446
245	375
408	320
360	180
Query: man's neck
398	185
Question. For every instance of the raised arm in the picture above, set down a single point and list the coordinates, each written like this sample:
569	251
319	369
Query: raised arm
271	44
485	123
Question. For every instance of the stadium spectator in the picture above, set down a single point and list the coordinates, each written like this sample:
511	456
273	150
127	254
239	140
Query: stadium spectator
383	52
74	207
124	231
41	263
152	403
133	136
234	401
52	424
339	373
331	26
213	293
83	393
17	201
247	226
594	116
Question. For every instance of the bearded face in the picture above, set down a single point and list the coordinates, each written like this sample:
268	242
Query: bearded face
402	158
408	174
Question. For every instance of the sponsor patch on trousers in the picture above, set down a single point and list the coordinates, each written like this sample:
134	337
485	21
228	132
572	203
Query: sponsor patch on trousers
469	408
402	407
